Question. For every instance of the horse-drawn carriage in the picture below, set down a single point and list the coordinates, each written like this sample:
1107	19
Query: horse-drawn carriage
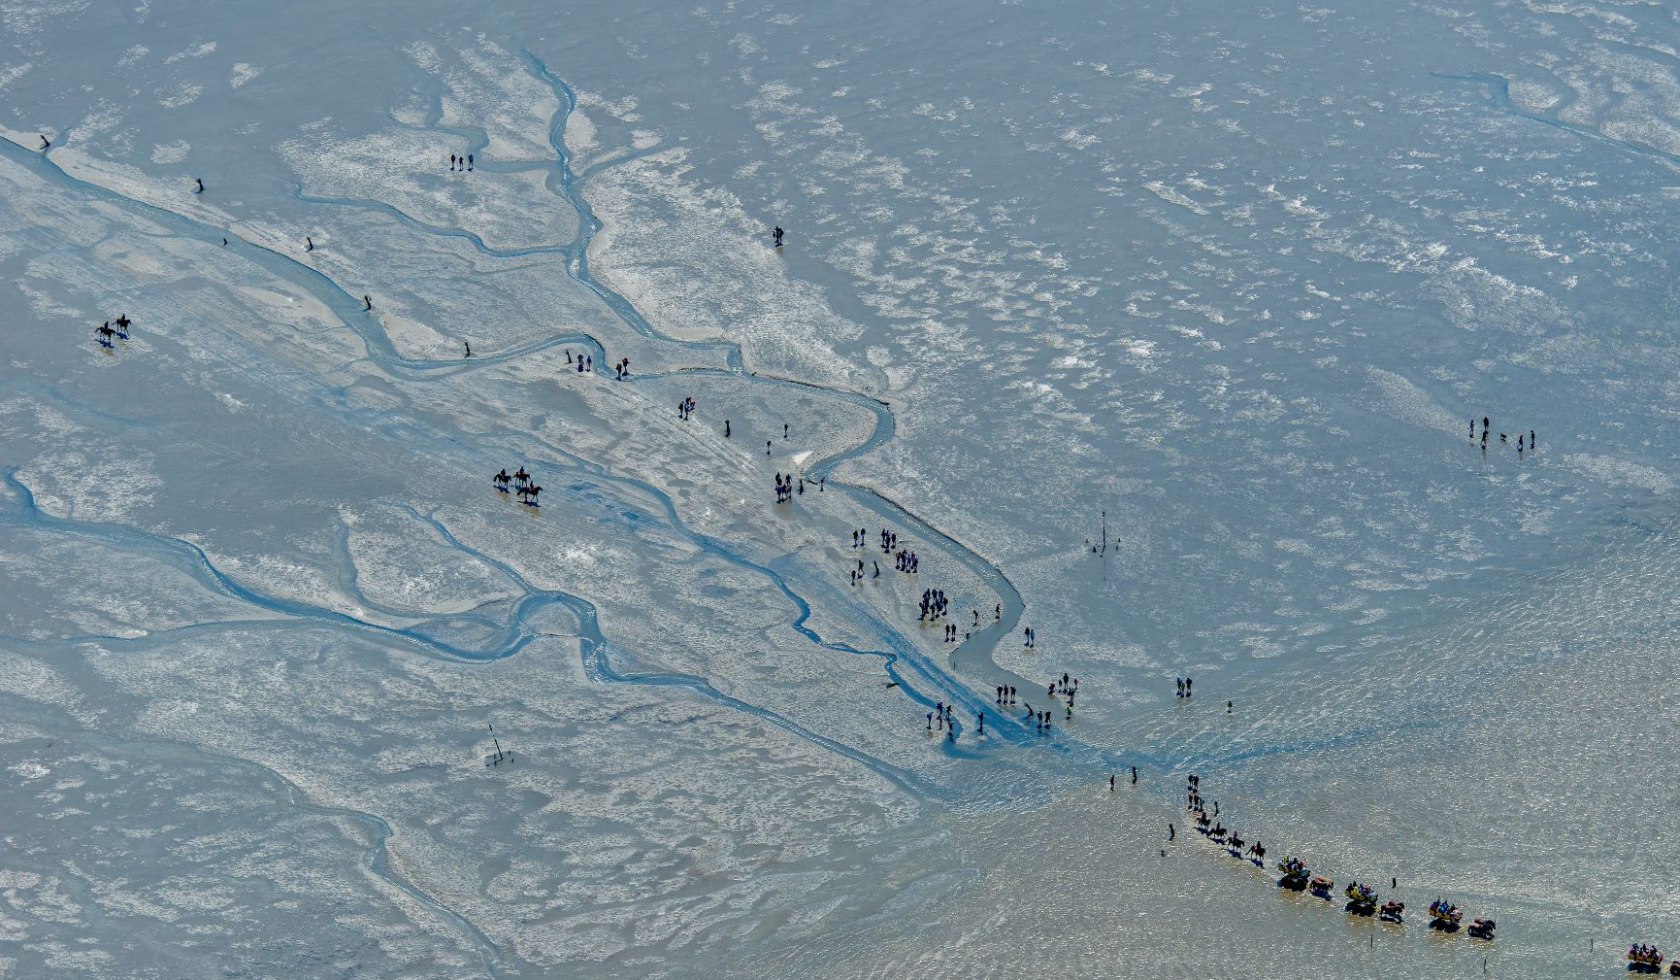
1445	916
1295	874
1643	958
1361	899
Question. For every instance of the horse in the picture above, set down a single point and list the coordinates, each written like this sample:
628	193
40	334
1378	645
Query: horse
105	333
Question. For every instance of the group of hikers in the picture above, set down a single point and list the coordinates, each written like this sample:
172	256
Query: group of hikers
1065	690
460	164
934	604
785	489
1005	696
941	718
860	539
1533	442
888	540
904	559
